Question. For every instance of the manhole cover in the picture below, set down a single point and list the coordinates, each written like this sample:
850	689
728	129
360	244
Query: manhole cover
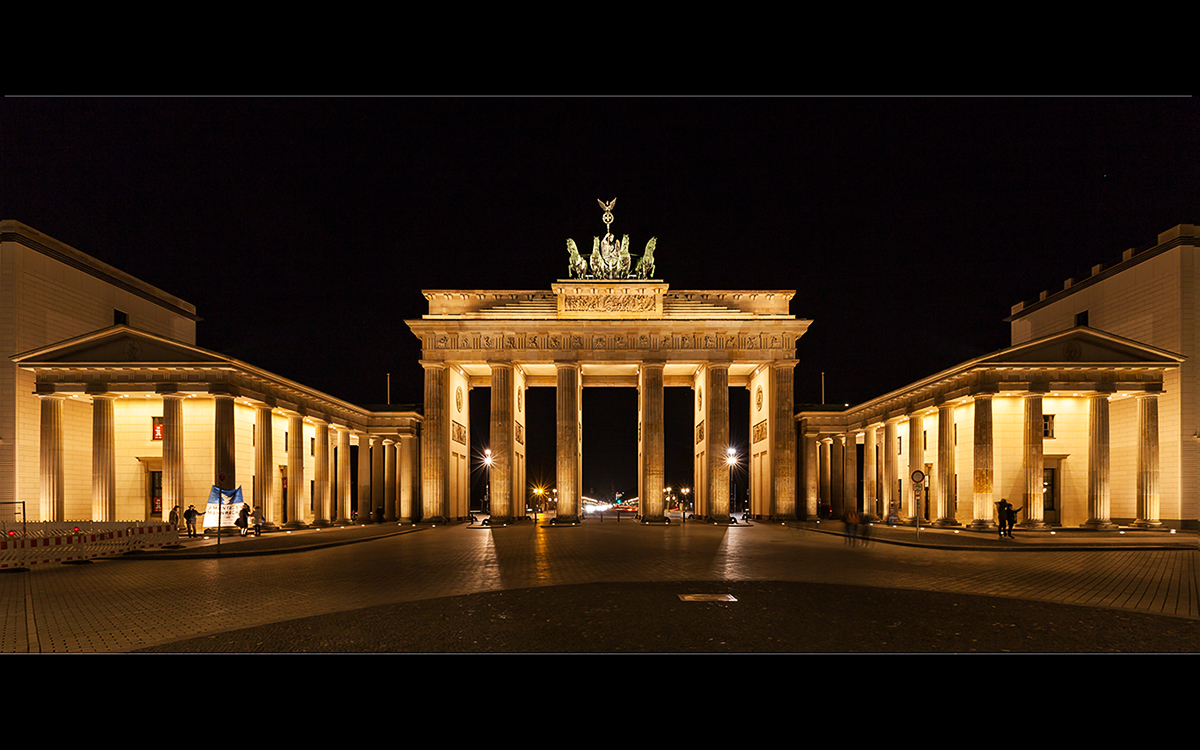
707	597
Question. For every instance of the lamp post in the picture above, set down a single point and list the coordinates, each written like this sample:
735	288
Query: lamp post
683	508
731	460
487	491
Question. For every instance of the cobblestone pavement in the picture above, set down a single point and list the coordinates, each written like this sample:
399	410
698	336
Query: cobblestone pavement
793	581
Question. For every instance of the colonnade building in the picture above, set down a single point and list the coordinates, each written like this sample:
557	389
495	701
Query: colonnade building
110	412
1089	419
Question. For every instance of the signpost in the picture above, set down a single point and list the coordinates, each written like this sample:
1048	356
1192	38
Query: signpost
918	478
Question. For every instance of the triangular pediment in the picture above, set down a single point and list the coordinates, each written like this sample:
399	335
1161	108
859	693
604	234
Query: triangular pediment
119	345
1082	346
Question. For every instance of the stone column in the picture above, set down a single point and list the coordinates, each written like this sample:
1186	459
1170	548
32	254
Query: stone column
172	448
104	459
916	460
378	470
364	477
500	475
391	483
321	481
783	448
812	474
567	468
264	462
1034	461
717	435
870	464
224	443
650	417
850	473
344	478
434	451
295	472
890	470
407	464
51	464
837	476
984	507
947	513
825	480
1099	506
1147	461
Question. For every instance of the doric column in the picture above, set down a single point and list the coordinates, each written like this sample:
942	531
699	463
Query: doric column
650	417
321	486
294	518
224	443
916	460
1099	508
500	475
783	439
850	473
391	478
172	448
716	408
364	477
1147	460
837	476
378	483
104	459
825	471
891	454
568	405
435	433
870	468
983	508
812	474
51	465
946	513
264	459
408	464
345	480
1034	463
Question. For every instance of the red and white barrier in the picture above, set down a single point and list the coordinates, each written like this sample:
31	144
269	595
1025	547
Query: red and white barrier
72	546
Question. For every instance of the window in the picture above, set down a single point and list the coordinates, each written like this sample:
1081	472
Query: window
156	428
1047	425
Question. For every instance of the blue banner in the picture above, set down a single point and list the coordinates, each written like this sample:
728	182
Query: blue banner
223	506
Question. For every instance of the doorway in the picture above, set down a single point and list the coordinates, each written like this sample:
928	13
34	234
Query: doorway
1050	495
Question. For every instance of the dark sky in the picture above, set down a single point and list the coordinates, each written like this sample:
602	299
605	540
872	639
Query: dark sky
304	229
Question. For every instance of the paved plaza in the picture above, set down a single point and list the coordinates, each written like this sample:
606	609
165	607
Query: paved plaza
609	586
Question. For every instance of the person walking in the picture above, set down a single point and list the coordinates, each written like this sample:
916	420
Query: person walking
257	516
189	516
173	519
243	520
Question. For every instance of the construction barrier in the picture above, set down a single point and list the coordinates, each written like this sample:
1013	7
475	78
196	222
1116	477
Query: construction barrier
64	542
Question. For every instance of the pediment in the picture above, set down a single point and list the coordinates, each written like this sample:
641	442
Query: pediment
118	345
1083	346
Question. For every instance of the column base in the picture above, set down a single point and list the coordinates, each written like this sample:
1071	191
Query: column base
343	522
321	523
1145	524
946	522
295	525
1034	525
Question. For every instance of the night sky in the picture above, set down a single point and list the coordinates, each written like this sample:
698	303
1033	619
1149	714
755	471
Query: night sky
305	229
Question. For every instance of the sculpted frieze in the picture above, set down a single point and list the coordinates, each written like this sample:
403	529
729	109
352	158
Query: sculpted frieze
743	344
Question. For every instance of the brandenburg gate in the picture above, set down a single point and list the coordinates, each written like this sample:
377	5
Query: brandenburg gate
611	324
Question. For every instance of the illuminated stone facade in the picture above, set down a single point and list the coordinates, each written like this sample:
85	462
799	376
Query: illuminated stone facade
115	415
591	333
1089	419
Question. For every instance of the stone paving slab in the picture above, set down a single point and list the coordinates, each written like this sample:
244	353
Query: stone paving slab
152	601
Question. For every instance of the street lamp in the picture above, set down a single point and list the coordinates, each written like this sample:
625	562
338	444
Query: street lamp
731	460
487	491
